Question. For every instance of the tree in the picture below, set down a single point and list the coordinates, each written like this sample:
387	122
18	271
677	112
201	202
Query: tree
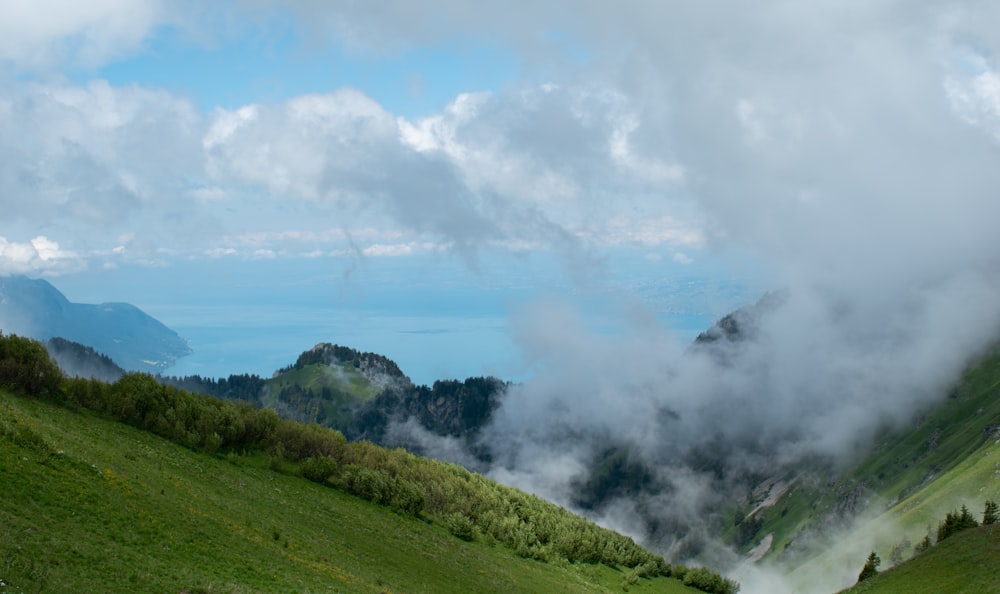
924	544
991	513
871	567
956	522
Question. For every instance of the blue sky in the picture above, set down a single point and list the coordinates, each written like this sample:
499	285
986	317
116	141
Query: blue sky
276	65
681	159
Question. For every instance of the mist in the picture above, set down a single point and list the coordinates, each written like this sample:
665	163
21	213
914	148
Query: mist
804	389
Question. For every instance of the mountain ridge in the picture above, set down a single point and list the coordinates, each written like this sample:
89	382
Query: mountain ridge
133	339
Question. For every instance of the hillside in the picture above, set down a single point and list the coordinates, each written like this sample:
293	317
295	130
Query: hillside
77	360
947	457
968	562
86	501
89	500
133	339
328	383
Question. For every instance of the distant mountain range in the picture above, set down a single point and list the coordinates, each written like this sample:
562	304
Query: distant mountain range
132	338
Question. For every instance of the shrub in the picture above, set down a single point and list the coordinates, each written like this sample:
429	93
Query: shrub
461	526
299	441
707	580
678	571
319	468
25	367
373	485
405	496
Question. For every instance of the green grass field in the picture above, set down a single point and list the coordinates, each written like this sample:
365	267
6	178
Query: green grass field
92	505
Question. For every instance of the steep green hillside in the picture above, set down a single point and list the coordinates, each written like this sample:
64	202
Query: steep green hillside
88	504
947	457
968	562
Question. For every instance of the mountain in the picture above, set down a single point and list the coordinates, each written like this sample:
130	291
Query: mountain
174	492
123	332
742	324
77	360
361	394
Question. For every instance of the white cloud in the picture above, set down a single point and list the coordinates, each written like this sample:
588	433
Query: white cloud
648	232
977	100
220	252
226	123
402	249
41	255
487	171
44	33
89	158
303	148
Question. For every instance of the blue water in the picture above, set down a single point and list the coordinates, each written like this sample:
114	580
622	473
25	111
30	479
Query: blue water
262	339
257	317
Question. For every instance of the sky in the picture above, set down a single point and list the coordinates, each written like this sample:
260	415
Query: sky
169	153
558	191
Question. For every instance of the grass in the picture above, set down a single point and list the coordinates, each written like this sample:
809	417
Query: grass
88	504
967	562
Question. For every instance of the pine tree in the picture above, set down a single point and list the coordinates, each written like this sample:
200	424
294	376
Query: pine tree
955	522
991	513
924	544
871	567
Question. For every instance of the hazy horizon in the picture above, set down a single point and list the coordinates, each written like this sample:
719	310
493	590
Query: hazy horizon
453	331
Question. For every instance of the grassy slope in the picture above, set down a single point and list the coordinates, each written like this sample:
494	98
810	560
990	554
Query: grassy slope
87	504
917	475
967	562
